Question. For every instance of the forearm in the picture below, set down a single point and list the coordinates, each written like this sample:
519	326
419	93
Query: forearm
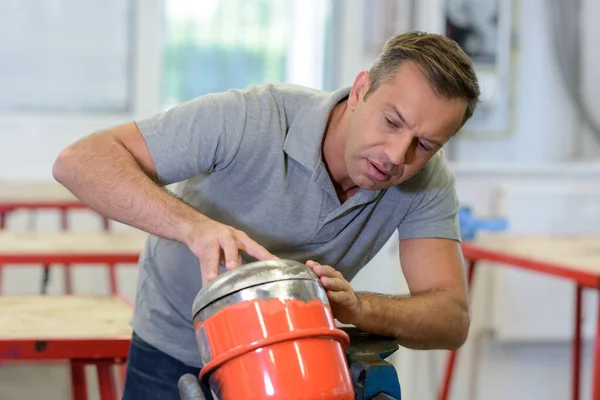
106	177
431	320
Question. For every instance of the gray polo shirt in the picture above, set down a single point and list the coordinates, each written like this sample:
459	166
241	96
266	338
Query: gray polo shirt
252	159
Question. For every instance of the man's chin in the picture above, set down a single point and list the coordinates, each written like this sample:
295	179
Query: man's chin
366	183
369	184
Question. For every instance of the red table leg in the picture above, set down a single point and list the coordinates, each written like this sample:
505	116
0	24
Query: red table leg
577	345
106	381
450	363
78	383
112	273
449	372
123	374
105	223
596	372
2	223
64	225
112	276
68	280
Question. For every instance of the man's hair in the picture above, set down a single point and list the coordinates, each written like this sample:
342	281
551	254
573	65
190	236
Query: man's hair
446	66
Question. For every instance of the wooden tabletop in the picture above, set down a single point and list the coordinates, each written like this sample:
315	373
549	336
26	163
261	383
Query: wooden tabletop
573	257
71	248
63	317
34	192
576	252
54	242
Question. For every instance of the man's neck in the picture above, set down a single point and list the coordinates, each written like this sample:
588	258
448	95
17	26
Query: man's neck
334	141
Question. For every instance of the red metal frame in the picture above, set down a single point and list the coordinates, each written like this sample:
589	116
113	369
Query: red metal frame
68	259
474	253
102	352
596	375
576	384
108	352
8	207
450	363
63	207
41	348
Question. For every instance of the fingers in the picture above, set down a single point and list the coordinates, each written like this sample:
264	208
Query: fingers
254	249
344	302
230	251
329	277
218	244
336	284
323	270
209	263
339	297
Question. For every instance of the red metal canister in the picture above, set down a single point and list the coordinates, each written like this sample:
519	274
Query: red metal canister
265	331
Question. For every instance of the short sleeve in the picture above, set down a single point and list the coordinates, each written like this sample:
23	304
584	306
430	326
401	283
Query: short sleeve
195	137
434	211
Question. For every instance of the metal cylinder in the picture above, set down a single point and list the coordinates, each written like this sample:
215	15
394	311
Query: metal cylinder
265	330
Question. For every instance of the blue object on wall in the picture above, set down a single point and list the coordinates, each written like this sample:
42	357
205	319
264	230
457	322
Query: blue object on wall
469	225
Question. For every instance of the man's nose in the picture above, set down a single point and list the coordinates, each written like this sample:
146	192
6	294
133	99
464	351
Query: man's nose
398	148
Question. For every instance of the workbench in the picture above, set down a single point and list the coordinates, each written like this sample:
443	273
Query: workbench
42	195
71	247
67	248
575	258
82	330
34	196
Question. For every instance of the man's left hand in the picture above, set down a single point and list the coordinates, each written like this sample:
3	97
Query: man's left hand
344	302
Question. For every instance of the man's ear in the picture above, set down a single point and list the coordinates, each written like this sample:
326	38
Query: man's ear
361	85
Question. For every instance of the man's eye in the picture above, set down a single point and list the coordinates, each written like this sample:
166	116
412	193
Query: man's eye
424	145
391	123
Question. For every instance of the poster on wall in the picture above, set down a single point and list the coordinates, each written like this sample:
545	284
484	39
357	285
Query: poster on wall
483	30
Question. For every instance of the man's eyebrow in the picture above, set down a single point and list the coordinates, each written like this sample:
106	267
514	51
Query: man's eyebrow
390	105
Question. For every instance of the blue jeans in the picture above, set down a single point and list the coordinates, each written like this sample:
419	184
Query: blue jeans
152	374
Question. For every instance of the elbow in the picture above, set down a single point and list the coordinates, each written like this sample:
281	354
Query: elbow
461	331
60	168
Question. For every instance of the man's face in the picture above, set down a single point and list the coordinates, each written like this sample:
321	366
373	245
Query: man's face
397	129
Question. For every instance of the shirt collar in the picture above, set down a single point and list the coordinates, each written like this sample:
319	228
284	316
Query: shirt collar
305	133
304	142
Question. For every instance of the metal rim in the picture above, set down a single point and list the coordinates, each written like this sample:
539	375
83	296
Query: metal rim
249	275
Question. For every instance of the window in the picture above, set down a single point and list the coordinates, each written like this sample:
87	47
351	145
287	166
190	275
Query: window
65	56
216	45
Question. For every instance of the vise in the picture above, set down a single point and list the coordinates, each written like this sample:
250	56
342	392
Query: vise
470	225
373	378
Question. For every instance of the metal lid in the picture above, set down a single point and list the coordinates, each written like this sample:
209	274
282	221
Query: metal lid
251	274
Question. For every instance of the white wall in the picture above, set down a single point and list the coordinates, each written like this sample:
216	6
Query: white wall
589	144
29	143
544	120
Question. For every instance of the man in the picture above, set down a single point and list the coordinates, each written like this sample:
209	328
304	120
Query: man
295	173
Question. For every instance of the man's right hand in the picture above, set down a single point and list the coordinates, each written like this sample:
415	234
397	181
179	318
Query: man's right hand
218	244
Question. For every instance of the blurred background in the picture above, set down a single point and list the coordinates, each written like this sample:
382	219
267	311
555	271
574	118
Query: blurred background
529	155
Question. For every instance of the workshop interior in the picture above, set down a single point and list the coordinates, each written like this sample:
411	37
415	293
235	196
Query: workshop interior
526	169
